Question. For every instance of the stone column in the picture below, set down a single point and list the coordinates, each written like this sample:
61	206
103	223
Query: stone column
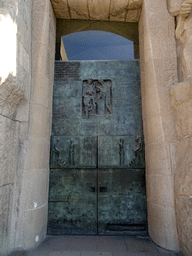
158	73
35	164
15	82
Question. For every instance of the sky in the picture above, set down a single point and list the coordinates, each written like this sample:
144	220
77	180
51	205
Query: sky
97	45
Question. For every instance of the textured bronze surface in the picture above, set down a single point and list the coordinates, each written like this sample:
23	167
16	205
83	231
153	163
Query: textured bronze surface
97	176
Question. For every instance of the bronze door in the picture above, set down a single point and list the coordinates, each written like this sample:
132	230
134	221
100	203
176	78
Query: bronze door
97	167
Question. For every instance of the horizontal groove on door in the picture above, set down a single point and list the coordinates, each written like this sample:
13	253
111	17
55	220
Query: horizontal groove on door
126	227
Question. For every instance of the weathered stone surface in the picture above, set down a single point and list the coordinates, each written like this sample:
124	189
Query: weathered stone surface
135	4
5	214
174	6
98	10
61	9
118	10
133	15
78	9
184	215
181	95
155	28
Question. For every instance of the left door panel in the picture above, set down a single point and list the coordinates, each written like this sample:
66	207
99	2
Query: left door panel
72	202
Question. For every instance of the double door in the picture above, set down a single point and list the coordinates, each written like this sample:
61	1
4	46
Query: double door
97	167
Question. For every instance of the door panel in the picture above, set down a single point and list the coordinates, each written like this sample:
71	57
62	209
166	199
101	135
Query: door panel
73	151
121	201
72	202
120	151
97	123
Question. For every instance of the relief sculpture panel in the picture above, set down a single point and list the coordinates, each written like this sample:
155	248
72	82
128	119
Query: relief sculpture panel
97	117
96	98
97	176
69	152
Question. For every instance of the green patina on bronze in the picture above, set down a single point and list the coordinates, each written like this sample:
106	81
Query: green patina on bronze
97	176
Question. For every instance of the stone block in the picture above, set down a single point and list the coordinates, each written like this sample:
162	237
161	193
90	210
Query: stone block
160	190
135	4
39	6
159	38
39	58
9	141
184	222
183	178
118	10
40	26
60	8
157	158
78	9
5	215
153	129
35	225
99	9
168	128
39	123
41	90
149	69
38	153
35	188
150	102
162	228
154	12
133	15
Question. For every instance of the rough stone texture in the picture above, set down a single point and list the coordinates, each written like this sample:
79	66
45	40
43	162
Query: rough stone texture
61	9
182	104
118	10
158	72
15	81
35	163
114	10
79	9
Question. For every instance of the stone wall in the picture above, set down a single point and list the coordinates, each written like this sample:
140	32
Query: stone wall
24	102
32	222
181	98
15	82
158	72
27	49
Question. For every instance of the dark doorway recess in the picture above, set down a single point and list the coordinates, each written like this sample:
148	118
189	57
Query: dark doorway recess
97	166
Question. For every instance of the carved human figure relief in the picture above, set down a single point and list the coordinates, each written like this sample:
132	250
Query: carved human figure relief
96	98
121	152
181	92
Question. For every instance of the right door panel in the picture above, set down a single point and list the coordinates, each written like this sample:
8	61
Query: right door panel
121	201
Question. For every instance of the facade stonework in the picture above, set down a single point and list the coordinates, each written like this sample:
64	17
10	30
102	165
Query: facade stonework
29	31
182	102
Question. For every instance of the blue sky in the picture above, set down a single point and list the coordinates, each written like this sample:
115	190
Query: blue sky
97	45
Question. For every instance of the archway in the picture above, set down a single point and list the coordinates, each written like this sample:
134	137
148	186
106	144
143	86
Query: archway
158	72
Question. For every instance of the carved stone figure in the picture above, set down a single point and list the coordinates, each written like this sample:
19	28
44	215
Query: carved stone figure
181	92
121	152
96	98
58	150
71	153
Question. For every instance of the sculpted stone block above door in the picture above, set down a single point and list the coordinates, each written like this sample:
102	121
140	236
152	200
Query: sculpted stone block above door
114	10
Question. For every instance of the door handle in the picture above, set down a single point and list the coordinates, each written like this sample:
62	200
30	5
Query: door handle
103	189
